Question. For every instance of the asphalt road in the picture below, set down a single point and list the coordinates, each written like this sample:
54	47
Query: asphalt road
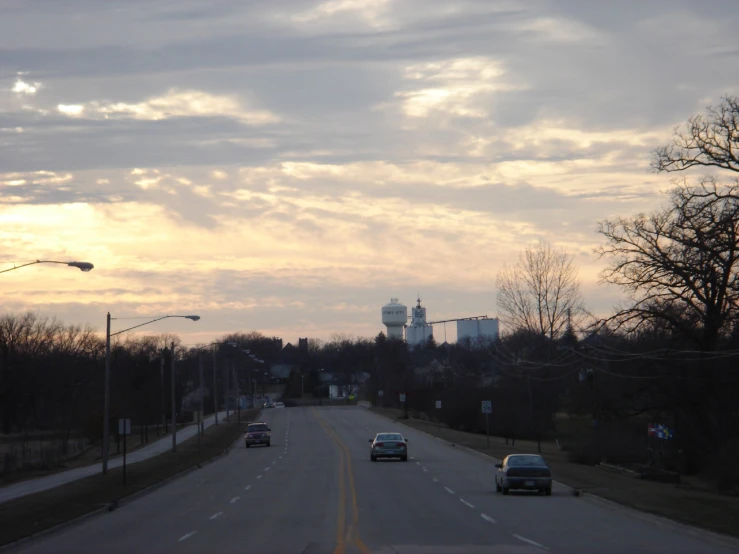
316	491
23	488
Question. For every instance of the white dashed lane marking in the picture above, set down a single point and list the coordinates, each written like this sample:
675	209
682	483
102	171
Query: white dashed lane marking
487	518
267	468
216	516
435	480
247	487
235	499
524	539
259	476
463	501
447	489
185	537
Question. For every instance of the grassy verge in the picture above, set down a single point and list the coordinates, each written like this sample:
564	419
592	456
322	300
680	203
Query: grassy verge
31	514
708	510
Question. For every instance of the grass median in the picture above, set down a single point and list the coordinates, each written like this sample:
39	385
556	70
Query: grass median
709	510
37	512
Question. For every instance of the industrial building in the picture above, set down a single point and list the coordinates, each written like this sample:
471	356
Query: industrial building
475	330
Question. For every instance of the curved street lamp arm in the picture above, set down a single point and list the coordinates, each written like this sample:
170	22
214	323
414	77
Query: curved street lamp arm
139	325
83	266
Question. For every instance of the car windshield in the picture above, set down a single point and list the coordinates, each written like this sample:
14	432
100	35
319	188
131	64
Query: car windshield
389	437
255	428
517	461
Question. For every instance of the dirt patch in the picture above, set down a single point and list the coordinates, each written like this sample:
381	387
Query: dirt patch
708	510
31	514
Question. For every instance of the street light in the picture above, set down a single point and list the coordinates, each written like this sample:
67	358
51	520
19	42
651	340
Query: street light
106	407
83	266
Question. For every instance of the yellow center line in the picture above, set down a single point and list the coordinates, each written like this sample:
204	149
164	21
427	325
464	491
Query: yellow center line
354	530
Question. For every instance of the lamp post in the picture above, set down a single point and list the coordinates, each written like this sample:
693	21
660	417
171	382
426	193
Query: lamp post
82	266
106	402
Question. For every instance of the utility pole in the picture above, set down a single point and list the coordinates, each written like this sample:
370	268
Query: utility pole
174	407
106	398
215	388
226	391
164	401
201	426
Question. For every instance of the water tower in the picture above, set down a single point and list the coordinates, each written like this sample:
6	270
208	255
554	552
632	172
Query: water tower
394	317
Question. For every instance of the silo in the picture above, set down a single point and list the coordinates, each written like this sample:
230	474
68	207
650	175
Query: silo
477	329
394	317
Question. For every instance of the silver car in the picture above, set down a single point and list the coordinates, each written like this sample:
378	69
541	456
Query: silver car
389	445
523	471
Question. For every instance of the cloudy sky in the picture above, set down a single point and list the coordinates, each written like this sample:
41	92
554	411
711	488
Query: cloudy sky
289	165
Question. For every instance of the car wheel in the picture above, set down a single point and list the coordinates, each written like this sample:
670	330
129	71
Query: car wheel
548	492
404	458
504	490
247	445
373	457
269	444
497	486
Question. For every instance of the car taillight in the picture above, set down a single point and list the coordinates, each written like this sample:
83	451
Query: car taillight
401	445
379	444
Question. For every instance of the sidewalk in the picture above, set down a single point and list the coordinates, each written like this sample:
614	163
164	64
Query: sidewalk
31	486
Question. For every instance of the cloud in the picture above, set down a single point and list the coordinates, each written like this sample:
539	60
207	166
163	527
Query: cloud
21	87
175	103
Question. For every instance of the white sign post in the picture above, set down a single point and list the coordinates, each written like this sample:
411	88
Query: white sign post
438	417
487	408
124	428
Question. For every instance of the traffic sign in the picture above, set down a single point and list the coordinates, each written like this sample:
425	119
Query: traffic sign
438	404
402	397
487	406
379	393
124	426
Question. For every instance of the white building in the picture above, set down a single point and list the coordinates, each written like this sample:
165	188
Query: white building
418	332
477	330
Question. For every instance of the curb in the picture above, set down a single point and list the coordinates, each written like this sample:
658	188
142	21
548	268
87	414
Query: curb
660	521
114	505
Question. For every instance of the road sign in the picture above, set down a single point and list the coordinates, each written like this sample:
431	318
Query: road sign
379	393
402	397
438	404
487	406
124	426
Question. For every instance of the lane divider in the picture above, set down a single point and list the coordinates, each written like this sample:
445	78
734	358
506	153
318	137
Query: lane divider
216	515
235	499
463	501
488	518
185	537
534	543
345	460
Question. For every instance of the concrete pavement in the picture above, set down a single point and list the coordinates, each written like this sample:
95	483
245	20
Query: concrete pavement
316	491
39	484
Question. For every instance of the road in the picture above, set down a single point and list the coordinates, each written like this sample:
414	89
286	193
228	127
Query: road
316	491
39	484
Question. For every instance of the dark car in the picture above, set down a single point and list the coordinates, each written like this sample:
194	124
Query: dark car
523	471
257	433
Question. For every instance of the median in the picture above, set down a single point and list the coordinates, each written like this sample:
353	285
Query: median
44	510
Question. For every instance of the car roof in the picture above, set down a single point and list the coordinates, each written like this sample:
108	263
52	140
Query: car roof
388	433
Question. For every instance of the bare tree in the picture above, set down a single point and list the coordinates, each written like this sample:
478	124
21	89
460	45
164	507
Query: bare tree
679	265
710	140
541	292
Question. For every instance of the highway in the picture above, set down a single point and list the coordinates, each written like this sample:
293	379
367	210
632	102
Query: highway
316	491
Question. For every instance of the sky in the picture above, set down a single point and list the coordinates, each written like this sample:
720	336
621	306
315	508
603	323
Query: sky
289	166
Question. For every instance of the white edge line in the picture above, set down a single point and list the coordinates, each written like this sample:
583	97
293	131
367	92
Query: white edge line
488	518
524	539
463	501
447	489
185	537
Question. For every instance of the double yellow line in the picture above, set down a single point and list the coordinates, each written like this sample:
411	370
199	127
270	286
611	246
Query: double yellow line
344	536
